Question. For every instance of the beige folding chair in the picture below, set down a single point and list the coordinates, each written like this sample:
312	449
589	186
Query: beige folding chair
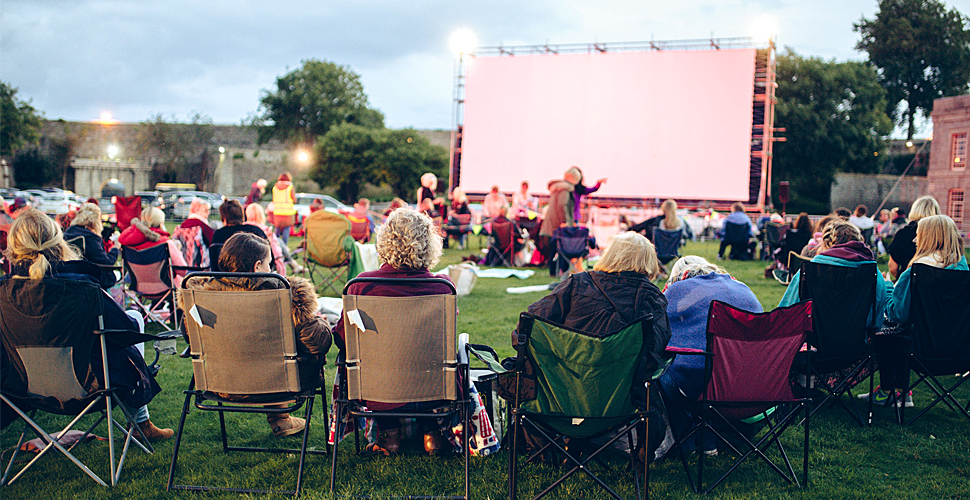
244	357
405	352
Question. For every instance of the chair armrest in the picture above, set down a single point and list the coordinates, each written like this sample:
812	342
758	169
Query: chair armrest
687	350
189	268
168	335
187	353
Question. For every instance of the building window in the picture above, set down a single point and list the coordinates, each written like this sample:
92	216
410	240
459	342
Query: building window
955	205
958	151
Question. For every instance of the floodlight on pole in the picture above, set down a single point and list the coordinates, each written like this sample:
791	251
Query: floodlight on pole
462	41
764	28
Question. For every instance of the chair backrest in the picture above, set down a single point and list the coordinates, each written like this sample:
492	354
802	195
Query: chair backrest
359	228
843	298
582	376
572	241
406	350
667	242
193	246
774	232
326	233
736	232
149	270
940	311
867	235
795	261
127	208
753	354
46	330
214	250
241	342
78	243
503	234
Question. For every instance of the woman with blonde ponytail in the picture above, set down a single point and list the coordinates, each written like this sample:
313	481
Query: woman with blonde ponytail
37	250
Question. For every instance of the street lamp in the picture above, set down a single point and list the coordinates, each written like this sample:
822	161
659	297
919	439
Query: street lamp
303	156
462	41
113	151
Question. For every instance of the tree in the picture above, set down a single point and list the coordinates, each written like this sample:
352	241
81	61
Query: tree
922	51
309	101
834	113
350	155
179	152
19	121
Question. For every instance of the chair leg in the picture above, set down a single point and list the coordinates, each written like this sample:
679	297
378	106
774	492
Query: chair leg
306	435
178	441
805	451
338	414
465	425
513	454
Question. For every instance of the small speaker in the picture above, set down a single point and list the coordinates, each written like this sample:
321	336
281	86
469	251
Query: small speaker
783	192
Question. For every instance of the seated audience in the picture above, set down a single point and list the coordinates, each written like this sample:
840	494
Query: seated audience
409	245
795	239
456	228
195	234
693	284
494	200
938	244
882	230
500	241
812	247
199	218
255	216
522	203
843	213
359	216
842	245
396	203
738	217
903	247
672	222
87	225
859	219
232	222
37	250
248	253
147	231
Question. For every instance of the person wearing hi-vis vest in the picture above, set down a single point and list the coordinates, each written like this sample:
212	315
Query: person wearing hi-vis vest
283	210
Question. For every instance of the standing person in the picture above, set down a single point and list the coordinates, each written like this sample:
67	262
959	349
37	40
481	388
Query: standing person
256	194
903	247
283	211
559	212
574	176
522	203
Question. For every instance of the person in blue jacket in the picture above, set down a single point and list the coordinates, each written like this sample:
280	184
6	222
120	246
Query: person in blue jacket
842	245
693	284
938	244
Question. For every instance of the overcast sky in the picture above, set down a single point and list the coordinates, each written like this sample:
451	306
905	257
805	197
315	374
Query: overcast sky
137	58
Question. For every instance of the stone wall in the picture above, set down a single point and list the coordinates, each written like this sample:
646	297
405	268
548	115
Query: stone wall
851	190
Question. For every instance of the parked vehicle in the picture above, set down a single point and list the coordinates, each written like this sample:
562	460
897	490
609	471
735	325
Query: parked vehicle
56	202
330	204
176	203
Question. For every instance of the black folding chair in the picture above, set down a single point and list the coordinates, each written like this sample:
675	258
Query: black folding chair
572	242
940	309
843	301
403	349
773	235
585	388
738	236
51	332
214	250
667	243
244	360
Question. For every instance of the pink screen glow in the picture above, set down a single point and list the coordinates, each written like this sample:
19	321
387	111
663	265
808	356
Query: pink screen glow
667	124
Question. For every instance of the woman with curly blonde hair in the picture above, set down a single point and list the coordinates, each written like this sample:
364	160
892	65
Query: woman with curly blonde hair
409	245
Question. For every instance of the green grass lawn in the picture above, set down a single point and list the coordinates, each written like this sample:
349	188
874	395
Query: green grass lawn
930	459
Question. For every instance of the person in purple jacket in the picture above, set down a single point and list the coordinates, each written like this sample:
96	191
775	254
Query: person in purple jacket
409	245
574	176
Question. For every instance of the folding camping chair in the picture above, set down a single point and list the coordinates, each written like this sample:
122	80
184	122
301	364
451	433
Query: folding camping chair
126	208
401	350
739	238
244	357
54	367
843	300
748	359
459	227
941	333
774	232
150	276
572	242
668	243
795	261
503	244
359	228
586	387
328	248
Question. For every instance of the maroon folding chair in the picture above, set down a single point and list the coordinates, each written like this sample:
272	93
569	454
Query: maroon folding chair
126	208
503	244
748	359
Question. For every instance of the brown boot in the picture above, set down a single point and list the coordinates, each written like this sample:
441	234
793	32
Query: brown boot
154	433
390	442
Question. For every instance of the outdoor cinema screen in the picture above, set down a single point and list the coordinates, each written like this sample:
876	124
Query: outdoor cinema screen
658	124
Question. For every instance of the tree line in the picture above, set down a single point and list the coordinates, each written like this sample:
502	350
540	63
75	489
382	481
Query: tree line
837	115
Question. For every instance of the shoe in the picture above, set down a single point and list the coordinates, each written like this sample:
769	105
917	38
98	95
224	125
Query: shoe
389	442
879	398
287	426
434	443
710	453
907	401
154	433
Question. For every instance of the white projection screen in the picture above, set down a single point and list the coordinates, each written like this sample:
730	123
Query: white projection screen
658	124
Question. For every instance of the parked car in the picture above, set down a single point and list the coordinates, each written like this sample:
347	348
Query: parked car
56	202
149	198
176	204
330	204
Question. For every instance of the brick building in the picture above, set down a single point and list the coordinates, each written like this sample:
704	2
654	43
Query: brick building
948	178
